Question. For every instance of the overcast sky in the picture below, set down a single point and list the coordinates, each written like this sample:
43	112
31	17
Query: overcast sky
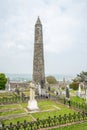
64	35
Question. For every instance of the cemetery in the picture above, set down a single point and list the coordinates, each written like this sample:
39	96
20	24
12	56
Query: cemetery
58	107
39	104
53	111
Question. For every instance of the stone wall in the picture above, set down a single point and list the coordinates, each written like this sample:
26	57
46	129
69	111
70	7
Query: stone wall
14	85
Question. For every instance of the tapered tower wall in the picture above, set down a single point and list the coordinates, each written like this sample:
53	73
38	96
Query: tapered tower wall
38	60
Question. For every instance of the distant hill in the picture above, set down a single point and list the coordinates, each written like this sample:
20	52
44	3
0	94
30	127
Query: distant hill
28	77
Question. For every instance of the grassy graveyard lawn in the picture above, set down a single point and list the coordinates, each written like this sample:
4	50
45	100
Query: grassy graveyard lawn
7	95
55	112
46	108
11	112
77	99
82	126
9	106
21	119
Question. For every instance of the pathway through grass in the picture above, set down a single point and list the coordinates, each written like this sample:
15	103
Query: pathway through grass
46	108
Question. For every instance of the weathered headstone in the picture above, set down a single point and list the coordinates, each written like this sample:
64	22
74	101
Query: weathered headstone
79	91
39	89
67	92
86	92
32	103
59	92
8	88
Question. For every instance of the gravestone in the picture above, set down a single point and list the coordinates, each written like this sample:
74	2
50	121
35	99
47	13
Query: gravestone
60	92
86	93
32	103
67	96
67	93
79	91
39	89
8	87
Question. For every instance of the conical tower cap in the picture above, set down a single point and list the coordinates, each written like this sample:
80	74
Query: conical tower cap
38	21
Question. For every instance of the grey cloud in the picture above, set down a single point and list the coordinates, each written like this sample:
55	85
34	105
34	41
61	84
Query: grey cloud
64	29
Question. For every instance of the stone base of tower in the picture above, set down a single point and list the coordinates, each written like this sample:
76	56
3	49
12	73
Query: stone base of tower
43	92
32	105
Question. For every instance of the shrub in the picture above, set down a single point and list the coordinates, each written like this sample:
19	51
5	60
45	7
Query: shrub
51	80
74	85
3	81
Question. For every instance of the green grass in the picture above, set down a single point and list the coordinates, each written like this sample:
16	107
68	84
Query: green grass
28	118
24	105
73	92
82	126
9	106
44	115
7	95
43	105
11	112
77	99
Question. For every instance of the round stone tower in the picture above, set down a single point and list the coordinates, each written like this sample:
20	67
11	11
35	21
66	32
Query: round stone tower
38	61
